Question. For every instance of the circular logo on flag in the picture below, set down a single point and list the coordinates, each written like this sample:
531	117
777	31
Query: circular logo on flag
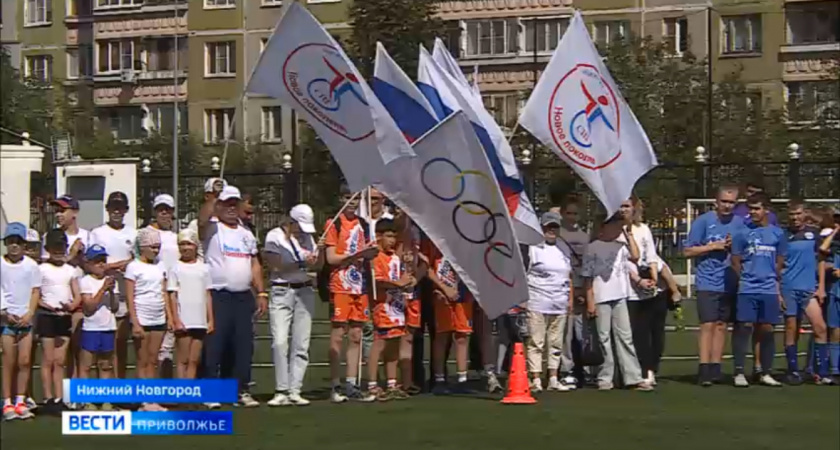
318	77
584	119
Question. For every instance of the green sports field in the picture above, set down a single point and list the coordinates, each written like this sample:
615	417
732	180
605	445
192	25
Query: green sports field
679	415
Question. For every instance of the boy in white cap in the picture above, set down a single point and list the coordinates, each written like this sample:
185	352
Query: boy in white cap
33	245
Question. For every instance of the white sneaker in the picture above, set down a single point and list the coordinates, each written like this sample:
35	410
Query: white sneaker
493	384
213	405
9	413
651	378
280	399
536	385
741	381
555	385
23	412
245	400
644	386
570	382
768	380
31	404
297	400
337	396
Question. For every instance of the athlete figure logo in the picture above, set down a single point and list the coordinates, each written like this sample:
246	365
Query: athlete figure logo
327	94
593	111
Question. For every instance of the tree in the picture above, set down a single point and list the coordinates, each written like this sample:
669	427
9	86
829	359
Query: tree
401	26
24	106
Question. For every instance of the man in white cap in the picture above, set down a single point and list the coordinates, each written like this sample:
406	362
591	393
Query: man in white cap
230	250
164	223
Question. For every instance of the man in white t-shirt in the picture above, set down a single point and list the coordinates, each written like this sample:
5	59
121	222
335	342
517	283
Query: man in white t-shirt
230	249
118	240
78	239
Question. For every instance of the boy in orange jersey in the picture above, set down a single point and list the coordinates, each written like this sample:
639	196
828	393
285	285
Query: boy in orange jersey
453	306
416	264
392	283
348	256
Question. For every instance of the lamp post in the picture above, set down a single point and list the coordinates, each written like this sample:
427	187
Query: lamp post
145	169
214	164
700	156
794	154
290	183
526	160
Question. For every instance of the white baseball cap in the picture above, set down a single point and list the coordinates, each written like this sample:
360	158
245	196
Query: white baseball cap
230	192
164	199
303	215
32	236
211	182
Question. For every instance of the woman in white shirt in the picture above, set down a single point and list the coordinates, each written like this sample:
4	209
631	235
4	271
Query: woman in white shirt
549	268
145	292
188	283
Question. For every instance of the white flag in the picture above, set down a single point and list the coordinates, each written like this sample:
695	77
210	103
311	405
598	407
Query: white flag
305	68
577	110
450	192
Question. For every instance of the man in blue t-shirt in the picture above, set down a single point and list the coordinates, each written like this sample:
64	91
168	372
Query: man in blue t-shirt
803	292
743	211
758	256
709	242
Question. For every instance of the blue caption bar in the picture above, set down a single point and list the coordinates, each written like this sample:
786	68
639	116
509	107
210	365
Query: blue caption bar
150	391
147	423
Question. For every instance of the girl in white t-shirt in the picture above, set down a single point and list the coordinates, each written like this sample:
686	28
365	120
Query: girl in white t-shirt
145	291
59	298
188	283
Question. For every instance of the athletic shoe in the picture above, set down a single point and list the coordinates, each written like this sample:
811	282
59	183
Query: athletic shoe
398	394
536	386
107	407
413	390
297	400
355	394
741	381
461	388
90	407
651	378
213	405
246	401
337	396
605	386
793	378
71	406
280	399
570	382
644	386
23	412
493	384
31	404
825	381
9	413
440	388
768	380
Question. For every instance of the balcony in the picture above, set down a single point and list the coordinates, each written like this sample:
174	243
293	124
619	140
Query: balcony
462	9
812	27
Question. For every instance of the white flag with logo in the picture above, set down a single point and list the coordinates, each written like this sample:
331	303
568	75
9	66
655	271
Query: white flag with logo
450	192
577	110
303	67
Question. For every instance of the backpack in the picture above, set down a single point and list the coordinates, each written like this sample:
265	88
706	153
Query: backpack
323	279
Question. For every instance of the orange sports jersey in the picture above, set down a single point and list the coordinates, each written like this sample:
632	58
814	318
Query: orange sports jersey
443	268
389	307
349	240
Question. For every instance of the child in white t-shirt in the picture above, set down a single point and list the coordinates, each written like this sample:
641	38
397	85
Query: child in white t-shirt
606	269
188	283
59	298
145	291
99	304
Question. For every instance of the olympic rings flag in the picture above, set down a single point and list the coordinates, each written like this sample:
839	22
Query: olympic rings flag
303	67
577	110
450	192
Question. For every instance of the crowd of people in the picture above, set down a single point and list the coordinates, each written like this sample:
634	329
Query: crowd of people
188	299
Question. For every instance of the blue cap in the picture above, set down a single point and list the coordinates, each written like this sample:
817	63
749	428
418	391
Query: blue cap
15	229
95	251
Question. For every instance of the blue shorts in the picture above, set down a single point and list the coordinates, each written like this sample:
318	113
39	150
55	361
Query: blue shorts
98	341
796	301
11	330
714	306
758	308
833	312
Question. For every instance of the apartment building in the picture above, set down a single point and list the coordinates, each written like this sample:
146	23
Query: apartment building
784	49
9	38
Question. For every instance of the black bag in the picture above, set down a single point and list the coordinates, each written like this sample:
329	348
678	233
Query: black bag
323	279
590	353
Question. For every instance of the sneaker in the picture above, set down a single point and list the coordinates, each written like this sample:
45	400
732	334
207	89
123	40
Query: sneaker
398	394
536	386
336	396
440	388
413	390
31	404
23	412
825	381
279	399
461	388
556	386
90	407
381	394
9	413
493	384
570	382
644	386
793	378
297	400
246	401
768	380
605	386
69	406
107	407
741	381
651	378
356	394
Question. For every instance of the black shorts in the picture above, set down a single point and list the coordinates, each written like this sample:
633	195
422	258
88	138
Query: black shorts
150	328
715	307
52	326
194	333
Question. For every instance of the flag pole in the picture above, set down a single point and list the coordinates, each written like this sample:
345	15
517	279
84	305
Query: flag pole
337	215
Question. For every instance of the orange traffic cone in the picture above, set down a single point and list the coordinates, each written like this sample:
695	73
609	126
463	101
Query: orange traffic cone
519	391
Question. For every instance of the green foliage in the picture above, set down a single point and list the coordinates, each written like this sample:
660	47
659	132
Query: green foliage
24	106
401	26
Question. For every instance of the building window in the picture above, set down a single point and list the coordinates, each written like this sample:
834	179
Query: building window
218	123
608	31
492	37
160	120
272	124
219	4
79	8
39	68
115	56
548	33
742	34
73	64
675	35
220	58
272	2
37	12
808	101
125	123
813	23
504	107
160	54
105	4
